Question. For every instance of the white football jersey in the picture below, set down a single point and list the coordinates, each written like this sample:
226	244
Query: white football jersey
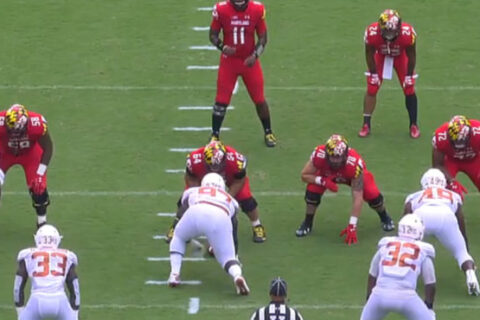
47	268
435	196
211	196
400	262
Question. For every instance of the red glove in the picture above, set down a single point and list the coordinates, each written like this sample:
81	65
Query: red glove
373	79
38	184
409	81
457	187
351	232
327	182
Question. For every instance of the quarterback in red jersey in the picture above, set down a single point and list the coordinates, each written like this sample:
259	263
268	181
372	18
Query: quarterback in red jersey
332	163
456	147
239	20
232	166
390	44
25	140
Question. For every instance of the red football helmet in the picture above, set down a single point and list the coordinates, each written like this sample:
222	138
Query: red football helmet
16	119
390	24
239	5
214	154
459	131
337	151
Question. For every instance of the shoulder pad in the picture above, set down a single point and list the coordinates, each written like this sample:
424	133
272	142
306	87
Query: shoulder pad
384	241
73	257
427	248
23	254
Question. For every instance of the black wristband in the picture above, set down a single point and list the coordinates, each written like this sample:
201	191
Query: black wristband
429	305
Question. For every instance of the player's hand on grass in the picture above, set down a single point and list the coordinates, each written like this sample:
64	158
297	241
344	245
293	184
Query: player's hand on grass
351	234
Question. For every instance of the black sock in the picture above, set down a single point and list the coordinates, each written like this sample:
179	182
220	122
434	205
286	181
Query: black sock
383	216
266	125
309	219
216	124
411	105
366	119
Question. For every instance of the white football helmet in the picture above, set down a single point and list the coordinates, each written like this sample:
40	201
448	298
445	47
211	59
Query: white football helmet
411	226
213	180
433	178
47	237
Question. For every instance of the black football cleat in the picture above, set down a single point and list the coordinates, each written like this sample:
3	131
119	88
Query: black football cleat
388	225
303	230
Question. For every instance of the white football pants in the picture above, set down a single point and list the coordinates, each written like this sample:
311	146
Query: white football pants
442	223
48	306
208	220
405	302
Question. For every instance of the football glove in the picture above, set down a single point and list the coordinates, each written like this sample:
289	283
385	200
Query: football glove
327	182
351	234
38	184
457	187
373	79
409	81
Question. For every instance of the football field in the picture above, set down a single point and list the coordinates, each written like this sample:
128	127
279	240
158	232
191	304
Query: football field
124	85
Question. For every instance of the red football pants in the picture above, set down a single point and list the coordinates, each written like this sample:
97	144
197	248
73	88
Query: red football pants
471	168
370	189
229	70
28	161
400	64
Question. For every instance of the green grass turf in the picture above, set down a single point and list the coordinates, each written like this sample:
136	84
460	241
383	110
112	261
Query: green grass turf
121	71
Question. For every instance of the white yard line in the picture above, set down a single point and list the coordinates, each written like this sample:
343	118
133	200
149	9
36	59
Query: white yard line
209	48
198	129
205	9
201	108
200	28
202	67
174	170
247	306
194	305
164	283
182	149
166	214
177	192
159	259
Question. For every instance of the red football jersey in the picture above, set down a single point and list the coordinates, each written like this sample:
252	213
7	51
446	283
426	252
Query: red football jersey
36	127
441	142
239	26
406	38
352	168
235	164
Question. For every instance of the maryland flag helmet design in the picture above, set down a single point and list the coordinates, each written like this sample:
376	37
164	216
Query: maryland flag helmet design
16	118
459	129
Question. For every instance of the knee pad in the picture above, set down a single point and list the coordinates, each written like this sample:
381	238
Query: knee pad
219	109
248	205
377	202
230	263
40	202
313	198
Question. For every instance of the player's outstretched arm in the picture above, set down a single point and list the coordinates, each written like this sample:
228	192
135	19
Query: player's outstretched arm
411	52
236	186
21	277
357	195
370	58
46	143
308	172
73	287
438	161
428	275
407	208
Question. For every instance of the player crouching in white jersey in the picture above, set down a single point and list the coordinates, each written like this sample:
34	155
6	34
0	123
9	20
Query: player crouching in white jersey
209	212
393	274
49	268
441	212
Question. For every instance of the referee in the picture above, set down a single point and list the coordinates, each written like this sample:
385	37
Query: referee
277	308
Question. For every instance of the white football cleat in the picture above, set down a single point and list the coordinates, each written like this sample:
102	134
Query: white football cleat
472	283
241	286
174	280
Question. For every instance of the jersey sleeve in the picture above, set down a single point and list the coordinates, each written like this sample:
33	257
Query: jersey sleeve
373	271
318	155
408	34
186	194
428	249
261	26
428	271
371	34
354	166
216	24
189	165
23	254
72	257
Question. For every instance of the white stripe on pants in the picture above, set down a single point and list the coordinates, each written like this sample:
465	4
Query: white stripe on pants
48	306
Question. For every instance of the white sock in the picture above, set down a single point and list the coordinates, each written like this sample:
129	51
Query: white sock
471	277
175	262
41	219
256	223
235	271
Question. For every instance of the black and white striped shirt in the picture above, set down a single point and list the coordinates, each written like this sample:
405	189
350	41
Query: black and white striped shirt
276	311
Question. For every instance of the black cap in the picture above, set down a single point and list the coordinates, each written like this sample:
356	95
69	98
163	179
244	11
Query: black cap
278	287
